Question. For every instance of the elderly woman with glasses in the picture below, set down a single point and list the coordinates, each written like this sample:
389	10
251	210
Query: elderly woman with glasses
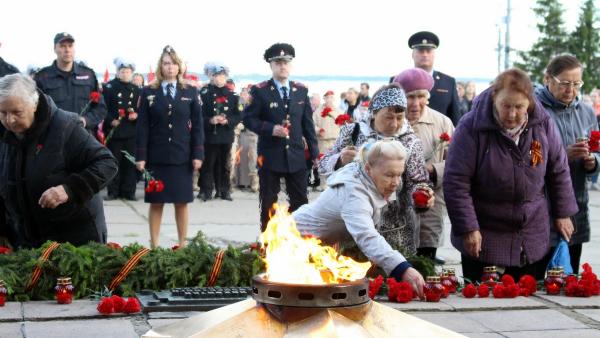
387	119
575	121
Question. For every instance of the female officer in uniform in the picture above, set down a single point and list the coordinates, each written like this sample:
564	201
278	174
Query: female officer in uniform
170	141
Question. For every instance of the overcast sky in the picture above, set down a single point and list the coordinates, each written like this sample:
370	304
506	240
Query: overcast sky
345	37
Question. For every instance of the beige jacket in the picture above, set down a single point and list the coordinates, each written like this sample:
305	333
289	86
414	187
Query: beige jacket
429	128
332	130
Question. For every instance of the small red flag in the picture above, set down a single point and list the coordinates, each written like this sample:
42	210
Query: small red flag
151	75
106	76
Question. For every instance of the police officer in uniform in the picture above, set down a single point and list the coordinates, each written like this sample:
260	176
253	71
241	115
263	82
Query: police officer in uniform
70	83
444	97
121	97
281	115
221	114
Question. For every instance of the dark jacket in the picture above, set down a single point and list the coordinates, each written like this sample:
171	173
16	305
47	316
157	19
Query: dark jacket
265	111
6	68
120	95
71	91
169	131
490	185
56	150
212	105
573	121
444	97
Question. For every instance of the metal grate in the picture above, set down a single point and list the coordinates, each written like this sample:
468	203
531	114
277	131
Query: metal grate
191	299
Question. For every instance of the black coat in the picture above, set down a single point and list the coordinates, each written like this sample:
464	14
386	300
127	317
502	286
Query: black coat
125	96
71	91
7	68
170	132
56	150
211	106
444	97
265	111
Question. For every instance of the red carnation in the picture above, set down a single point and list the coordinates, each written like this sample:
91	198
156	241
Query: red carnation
420	198
159	186
114	245
132	305
507	280
4	250
392	291
404	292
151	186
587	273
594	142
365	104
341	119
528	282
121	113
570	280
524	292
326	112
498	291
469	291
483	291
221	99
94	97
571	290
106	306
374	286
444	137
511	291
118	303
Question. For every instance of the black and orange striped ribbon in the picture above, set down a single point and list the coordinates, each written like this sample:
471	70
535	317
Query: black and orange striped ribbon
131	263
37	271
216	268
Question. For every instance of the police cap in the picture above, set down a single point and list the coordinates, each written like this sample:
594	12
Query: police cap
63	36
423	39
280	51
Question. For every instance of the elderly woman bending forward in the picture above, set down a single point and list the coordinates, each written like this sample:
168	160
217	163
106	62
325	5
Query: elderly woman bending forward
350	208
51	170
506	174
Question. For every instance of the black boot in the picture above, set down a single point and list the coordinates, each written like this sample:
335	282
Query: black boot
205	196
226	196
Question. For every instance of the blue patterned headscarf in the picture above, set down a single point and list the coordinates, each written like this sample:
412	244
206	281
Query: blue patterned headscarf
393	96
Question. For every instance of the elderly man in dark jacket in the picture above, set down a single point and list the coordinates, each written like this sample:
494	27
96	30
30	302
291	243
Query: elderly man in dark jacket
506	174
51	169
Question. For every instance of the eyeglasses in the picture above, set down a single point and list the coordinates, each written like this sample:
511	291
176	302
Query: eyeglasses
568	84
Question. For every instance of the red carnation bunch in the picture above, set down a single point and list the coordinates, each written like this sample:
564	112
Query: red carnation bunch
342	119
483	291
375	286
444	137
469	291
5	250
155	186
401	292
221	99
94	97
326	112
116	304
528	282
507	280
588	285
420	198
594	142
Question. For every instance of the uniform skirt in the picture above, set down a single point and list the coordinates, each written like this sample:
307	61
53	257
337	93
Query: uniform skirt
177	180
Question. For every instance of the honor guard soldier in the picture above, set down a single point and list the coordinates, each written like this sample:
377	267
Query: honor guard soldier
281	115
221	114
70	83
121	97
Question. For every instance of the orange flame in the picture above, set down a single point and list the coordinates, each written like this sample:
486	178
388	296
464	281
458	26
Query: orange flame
290	258
238	154
259	161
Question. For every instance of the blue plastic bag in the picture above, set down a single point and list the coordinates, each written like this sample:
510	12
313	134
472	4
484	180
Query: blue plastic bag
561	257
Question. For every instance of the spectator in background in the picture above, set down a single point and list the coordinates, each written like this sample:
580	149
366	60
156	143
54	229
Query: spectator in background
343	103
170	142
32	70
315	101
138	80
364	93
352	102
463	106
246	171
470	93
325	126
560	98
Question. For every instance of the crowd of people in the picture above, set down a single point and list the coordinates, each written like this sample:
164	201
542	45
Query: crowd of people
510	166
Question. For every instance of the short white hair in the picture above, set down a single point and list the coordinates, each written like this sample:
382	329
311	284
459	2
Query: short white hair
372	151
19	86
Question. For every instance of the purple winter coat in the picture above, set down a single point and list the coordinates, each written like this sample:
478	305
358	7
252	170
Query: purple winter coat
490	185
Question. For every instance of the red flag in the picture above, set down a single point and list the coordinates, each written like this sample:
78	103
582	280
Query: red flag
151	75
106	76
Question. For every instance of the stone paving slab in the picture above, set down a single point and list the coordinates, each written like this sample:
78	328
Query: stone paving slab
45	310
154	323
11	311
583	333
591	313
460	303
417	306
10	330
170	315
454	321
525	320
483	335
95	328
572	302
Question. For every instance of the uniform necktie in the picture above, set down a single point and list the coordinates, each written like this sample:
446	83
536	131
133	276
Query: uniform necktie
171	90
285	95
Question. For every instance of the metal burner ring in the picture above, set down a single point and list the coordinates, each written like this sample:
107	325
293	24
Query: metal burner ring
307	295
